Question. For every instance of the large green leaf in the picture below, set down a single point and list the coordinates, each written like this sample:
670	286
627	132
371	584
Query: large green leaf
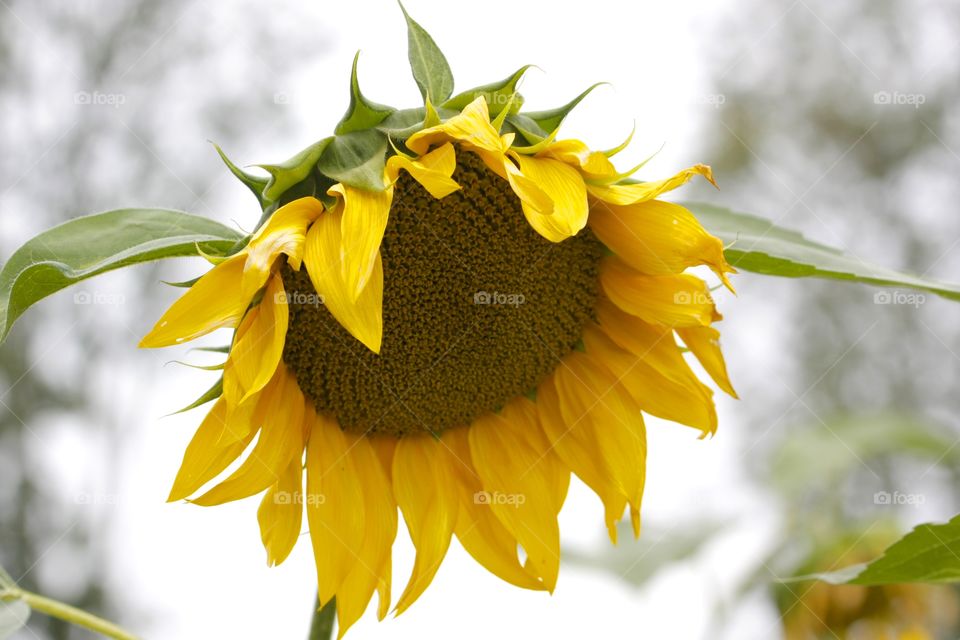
84	247
929	553
758	245
429	66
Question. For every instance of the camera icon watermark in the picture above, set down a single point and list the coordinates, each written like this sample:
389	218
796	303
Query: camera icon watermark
886	498
715	100
897	98
281	98
897	297
497	298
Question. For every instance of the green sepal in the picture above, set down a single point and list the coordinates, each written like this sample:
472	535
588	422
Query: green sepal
210	394
428	64
185	284
202	367
402	124
357	159
224	349
296	169
497	94
256	184
430	118
362	113
548	120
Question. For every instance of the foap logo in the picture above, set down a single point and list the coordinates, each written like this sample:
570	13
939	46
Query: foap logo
497	298
897	297
99	99
692	297
299	298
715	100
896	498
298	497
92	298
897	98
496	497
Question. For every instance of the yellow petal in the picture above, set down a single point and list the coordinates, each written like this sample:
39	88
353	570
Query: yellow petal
281	412
213	302
592	164
432	171
601	435
363	316
675	301
565	188
478	529
657	238
372	569
363	220
471	127
284	232
429	505
256	354
683	400
334	492
281	514
624	194
516	489
704	342
205	458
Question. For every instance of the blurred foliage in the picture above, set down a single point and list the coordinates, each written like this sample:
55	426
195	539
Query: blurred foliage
100	99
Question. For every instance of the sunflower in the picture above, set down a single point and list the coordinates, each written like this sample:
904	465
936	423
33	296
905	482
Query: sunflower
496	311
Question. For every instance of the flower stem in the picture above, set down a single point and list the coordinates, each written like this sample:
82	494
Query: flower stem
67	613
322	626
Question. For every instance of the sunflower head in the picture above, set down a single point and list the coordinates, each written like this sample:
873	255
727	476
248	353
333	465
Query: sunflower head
447	310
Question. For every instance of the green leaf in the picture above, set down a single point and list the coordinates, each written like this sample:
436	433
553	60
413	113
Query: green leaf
497	94
84	247
930	553
551	119
429	66
356	159
402	124
362	113
256	184
758	245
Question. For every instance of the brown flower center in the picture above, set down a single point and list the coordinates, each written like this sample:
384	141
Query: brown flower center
477	309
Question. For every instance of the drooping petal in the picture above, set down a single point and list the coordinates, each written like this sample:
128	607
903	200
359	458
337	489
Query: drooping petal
681	300
281	412
658	238
704	342
363	316
600	435
429	505
213	302
478	529
284	232
684	400
593	165
256	354
624	194
205	458
362	223
334	492
566	190
281	514
516	489
432	170
372	569
471	127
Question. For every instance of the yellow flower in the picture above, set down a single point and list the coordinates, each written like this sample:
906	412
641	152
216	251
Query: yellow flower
454	346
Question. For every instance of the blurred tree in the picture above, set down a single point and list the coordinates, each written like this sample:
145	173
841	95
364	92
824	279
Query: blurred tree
100	101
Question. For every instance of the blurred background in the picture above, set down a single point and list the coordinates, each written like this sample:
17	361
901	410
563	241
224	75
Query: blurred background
836	119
